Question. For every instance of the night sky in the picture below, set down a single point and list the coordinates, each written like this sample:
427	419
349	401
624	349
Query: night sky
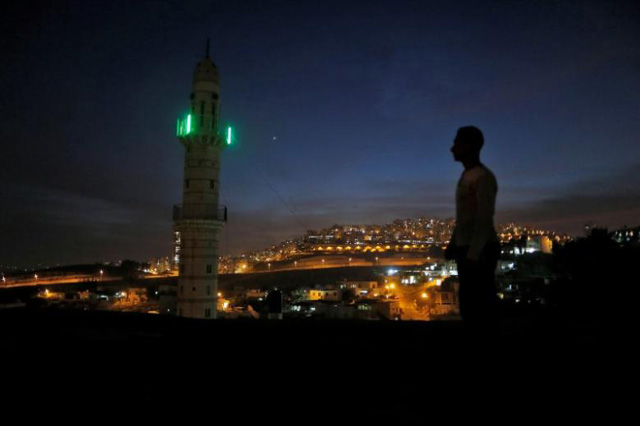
344	113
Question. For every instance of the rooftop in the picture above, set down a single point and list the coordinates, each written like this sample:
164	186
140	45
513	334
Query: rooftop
158	362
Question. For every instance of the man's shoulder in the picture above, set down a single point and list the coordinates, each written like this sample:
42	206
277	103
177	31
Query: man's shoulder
485	171
480	172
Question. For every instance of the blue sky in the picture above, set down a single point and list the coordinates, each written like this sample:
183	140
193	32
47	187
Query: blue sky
344	113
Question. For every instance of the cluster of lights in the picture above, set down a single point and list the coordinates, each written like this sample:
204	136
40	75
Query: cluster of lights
372	248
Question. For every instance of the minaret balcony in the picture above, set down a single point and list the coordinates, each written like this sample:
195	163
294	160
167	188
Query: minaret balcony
202	125
203	211
195	125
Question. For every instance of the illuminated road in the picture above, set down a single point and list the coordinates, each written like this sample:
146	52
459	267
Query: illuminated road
55	281
8	283
406	297
316	262
324	262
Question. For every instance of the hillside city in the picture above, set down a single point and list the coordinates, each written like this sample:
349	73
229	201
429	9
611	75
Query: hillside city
413	236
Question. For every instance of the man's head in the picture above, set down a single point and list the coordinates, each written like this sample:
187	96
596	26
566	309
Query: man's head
467	144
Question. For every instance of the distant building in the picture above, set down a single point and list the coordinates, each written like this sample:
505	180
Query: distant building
160	265
627	236
301	308
367	309
253	293
589	227
389	309
363	309
411	277
51	295
313	237
444	303
526	291
539	243
132	296
332	295
449	267
505	266
443	300
361	288
389	282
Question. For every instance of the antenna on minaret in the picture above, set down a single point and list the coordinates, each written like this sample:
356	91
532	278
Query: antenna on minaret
207	48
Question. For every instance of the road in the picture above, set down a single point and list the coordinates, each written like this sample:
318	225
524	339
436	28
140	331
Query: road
68	280
323	262
407	295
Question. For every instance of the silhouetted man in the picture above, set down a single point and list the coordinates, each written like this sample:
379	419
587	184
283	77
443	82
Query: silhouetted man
474	244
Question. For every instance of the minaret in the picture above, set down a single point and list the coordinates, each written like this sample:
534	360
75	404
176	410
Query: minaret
199	219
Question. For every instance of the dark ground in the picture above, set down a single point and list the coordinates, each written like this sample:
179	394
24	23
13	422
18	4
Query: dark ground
64	361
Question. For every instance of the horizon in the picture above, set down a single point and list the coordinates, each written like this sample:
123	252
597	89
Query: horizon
34	267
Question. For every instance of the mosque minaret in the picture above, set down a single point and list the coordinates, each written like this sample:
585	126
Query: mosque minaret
199	219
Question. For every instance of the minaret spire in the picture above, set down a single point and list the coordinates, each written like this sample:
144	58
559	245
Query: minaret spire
207	48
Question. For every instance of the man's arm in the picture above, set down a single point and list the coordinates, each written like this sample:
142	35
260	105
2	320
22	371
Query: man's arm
450	252
483	224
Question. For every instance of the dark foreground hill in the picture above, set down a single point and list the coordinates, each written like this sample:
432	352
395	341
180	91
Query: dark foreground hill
67	361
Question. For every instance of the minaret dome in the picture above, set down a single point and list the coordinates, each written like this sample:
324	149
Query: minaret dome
206	71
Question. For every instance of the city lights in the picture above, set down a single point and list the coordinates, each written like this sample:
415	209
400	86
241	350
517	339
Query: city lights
418	236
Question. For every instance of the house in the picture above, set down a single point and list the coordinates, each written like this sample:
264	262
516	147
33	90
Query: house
360	288
322	294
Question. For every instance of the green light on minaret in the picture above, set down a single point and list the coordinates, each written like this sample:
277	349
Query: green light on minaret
229	135
188	123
